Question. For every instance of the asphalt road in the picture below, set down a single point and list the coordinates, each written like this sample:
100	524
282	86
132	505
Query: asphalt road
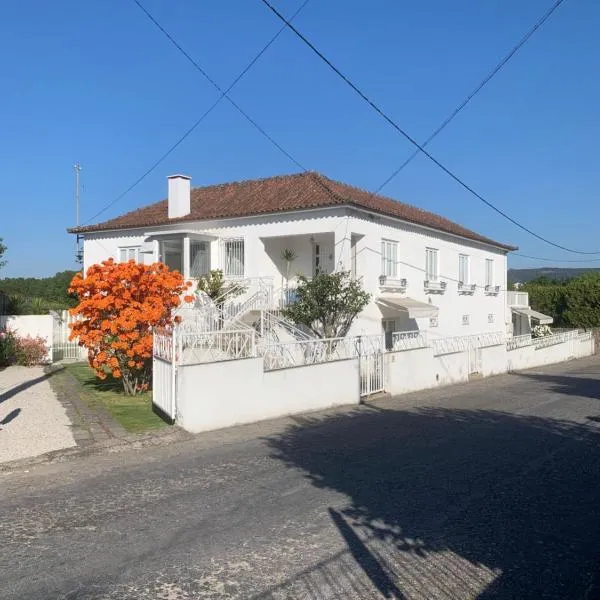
486	490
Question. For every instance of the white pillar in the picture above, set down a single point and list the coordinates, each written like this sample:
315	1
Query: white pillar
342	256
186	257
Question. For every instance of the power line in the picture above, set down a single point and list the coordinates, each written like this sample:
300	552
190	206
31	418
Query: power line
556	260
468	99
223	94
399	129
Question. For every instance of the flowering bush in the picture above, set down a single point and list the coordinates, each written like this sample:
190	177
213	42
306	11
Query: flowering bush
119	305
26	351
30	351
541	331
7	347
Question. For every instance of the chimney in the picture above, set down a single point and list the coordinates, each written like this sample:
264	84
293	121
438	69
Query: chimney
179	196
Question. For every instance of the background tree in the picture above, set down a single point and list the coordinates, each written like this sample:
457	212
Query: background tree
2	251
119	306
328	303
582	301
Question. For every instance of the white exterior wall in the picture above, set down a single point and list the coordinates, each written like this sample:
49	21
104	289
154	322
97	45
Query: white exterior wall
216	395
412	243
266	237
529	357
31	325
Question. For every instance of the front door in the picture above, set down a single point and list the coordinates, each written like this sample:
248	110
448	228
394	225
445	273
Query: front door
323	258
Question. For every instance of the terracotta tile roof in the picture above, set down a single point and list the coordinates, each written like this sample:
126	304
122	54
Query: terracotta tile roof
282	194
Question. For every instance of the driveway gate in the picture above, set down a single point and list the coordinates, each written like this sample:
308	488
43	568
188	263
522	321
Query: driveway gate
371	364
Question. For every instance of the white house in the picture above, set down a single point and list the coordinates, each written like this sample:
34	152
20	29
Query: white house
424	272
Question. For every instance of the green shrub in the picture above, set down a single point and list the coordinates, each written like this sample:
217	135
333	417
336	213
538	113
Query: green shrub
8	343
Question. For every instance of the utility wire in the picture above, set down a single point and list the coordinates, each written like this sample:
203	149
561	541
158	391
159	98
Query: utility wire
399	129
209	110
468	99
556	260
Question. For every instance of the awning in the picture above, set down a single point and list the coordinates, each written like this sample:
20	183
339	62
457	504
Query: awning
414	308
535	315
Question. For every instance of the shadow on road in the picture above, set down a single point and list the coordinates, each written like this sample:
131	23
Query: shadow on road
456	503
584	387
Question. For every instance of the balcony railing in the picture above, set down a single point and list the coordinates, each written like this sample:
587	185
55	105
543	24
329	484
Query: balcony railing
397	284
436	286
466	288
517	299
492	290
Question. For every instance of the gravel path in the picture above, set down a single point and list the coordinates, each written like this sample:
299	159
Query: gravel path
32	420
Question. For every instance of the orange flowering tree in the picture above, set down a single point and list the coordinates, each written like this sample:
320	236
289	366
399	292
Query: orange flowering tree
119	305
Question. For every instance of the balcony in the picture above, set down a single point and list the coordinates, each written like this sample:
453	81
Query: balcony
392	284
517	299
434	286
466	288
492	290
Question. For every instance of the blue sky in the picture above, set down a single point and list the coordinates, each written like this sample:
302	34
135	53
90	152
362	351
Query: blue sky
97	83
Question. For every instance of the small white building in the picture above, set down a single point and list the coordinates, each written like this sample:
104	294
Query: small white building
423	271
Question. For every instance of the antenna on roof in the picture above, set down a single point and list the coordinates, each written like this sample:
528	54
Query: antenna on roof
79	250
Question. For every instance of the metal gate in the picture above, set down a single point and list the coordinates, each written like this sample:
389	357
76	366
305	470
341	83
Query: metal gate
371	364
475	359
164	372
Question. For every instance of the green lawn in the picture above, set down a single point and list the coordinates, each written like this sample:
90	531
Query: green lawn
134	413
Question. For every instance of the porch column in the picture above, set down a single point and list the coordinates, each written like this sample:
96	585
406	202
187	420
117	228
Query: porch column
186	257
155	251
342	252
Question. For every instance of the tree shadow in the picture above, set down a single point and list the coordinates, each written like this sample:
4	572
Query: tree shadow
23	386
584	387
467	503
13	414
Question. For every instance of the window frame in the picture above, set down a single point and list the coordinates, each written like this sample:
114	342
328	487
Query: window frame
432	275
389	258
238	247
489	272
464	262
127	249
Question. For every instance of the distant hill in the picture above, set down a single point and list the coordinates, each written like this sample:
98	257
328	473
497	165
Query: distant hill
525	275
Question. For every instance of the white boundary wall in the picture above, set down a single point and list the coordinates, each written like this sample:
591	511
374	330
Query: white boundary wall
33	325
221	394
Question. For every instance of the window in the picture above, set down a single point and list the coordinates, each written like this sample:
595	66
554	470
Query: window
433	321
463	268
431	264
233	257
389	258
170	253
489	272
128	253
199	259
465	319
491	318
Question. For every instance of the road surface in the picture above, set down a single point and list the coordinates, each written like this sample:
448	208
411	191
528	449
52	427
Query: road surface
485	490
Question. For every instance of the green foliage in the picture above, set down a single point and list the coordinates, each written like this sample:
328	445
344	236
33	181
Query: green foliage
328	303
8	344
31	295
217	289
574	303
583	301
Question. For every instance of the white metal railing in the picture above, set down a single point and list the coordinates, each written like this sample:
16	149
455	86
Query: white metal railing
584	336
214	346
519	341
462	343
308	352
271	321
408	340
517	298
555	338
162	344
